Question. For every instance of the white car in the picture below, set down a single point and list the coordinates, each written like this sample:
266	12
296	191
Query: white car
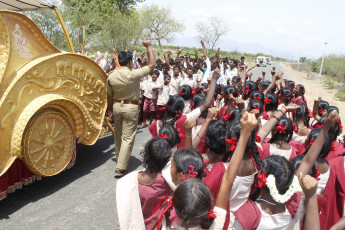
268	61
260	61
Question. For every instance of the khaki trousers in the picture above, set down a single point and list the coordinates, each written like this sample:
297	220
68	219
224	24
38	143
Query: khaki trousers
126	123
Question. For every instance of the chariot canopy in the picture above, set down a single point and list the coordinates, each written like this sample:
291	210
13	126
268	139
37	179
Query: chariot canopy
24	5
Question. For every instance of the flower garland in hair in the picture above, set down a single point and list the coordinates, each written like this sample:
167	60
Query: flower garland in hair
271	185
192	106
165	137
257	98
232	142
233	106
247	90
333	146
318	126
321	111
180	92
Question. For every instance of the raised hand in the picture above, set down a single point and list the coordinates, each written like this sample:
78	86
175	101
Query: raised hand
212	113
308	184
147	43
219	97
291	108
332	118
216	74
190	123
248	123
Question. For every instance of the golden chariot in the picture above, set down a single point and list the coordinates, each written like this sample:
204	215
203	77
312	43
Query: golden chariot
48	98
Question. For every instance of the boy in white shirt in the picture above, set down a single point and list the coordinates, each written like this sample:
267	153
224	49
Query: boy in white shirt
163	96
190	79
176	81
150	103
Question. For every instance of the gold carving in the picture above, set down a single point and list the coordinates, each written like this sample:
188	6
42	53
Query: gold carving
48	143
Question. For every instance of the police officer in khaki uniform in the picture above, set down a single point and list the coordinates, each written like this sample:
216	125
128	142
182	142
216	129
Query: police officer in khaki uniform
124	86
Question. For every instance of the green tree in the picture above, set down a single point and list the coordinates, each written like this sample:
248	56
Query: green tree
159	25
302	59
211	31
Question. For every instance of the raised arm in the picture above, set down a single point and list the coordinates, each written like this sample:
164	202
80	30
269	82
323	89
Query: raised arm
150	55
188	125
212	112
212	89
204	48
274	81
316	109
309	160
273	121
248	124
309	186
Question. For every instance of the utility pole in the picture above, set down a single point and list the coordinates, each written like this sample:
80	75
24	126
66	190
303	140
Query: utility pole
299	60
323	58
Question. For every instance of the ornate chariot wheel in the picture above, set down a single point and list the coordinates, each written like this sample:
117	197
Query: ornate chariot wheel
48	142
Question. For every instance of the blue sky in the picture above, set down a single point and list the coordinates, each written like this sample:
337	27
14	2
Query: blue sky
286	28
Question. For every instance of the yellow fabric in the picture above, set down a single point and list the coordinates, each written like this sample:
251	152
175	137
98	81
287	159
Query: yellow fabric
125	83
126	122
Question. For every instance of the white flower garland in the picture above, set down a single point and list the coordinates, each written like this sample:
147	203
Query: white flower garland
271	185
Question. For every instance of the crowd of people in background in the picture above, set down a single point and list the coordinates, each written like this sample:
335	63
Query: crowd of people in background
230	150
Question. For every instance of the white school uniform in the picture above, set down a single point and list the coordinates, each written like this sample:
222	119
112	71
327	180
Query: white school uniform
163	95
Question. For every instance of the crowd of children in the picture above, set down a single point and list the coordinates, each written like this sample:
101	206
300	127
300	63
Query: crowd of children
231	153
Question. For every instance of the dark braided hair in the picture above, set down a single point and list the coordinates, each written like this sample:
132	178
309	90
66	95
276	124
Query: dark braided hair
175	104
172	133
281	136
192	201
327	144
215	137
156	154
234	130
257	94
273	105
302	113
281	169
302	90
186	92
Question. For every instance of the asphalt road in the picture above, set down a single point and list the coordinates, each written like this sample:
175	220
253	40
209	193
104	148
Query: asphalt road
257	71
82	197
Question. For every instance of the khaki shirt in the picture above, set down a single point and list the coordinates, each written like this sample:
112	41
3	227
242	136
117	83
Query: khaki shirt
124	83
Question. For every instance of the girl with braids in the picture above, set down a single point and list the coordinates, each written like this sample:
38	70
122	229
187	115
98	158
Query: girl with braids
279	143
244	180
319	108
228	93
248	87
257	95
215	141
301	124
185	92
337	148
286	96
138	192
192	200
331	186
270	104
299	92
277	201
174	112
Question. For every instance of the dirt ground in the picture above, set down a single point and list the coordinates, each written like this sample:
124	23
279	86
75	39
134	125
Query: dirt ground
313	89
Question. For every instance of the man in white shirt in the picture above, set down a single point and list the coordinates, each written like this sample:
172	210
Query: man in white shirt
231	72
190	79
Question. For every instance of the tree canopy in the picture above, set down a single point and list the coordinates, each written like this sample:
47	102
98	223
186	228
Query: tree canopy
211	31
111	24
